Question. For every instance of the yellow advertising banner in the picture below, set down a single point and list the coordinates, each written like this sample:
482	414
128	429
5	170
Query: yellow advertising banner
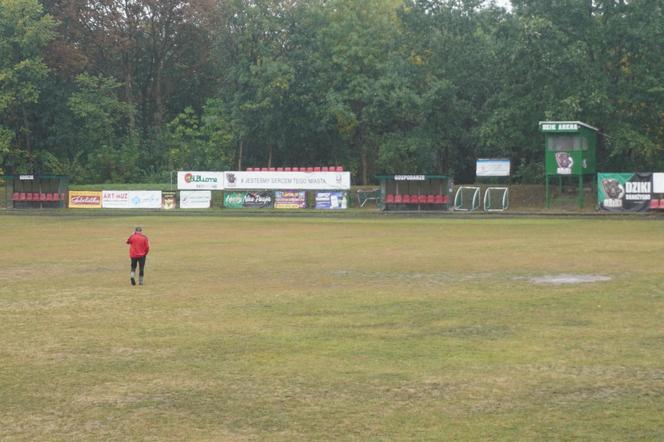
84	199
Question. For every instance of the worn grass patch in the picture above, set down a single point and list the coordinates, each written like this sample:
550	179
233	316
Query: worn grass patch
331	329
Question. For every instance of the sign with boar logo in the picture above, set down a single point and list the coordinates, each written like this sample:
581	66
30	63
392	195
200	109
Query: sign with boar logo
565	163
624	191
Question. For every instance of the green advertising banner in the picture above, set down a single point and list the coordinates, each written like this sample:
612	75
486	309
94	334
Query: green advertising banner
234	200
248	200
624	191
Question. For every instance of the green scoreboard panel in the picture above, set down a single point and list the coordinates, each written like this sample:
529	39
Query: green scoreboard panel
570	147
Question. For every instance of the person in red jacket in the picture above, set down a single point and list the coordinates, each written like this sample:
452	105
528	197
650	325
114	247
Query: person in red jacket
139	246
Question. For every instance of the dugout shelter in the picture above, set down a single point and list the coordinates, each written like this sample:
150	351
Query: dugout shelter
415	192
36	191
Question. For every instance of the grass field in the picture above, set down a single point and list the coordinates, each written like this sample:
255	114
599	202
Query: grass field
331	329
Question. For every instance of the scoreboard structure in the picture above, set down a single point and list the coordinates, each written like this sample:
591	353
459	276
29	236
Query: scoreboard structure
570	154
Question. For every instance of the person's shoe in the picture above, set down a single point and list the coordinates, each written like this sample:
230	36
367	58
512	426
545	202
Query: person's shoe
140	281
133	281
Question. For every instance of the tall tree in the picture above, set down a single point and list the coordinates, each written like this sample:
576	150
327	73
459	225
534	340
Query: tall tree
104	135
356	43
253	45
156	48
25	31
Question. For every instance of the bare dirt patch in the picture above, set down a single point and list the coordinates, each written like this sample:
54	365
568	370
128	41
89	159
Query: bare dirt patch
568	279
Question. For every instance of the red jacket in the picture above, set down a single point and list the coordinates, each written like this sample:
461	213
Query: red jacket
139	246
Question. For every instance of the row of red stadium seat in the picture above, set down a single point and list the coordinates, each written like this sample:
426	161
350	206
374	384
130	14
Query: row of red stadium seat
297	169
657	204
35	196
416	199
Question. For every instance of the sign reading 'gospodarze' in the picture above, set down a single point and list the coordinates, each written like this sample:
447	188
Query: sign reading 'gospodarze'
409	178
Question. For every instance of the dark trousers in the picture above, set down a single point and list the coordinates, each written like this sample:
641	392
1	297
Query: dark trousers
141	264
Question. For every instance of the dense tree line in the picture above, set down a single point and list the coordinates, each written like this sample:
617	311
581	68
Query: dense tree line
128	90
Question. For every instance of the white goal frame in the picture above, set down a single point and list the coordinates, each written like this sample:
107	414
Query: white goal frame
503	200
459	198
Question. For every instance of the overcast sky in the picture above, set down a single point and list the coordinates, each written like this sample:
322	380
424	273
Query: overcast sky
504	3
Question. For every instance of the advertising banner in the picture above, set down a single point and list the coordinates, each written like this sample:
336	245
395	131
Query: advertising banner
253	200
131	199
258	200
115	199
658	182
290	200
200	180
487	167
624	191
287	180
168	200
84	199
195	199
234	200
145	199
331	200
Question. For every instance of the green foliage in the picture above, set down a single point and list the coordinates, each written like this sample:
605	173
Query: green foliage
70	167
203	143
24	32
6	137
101	115
376	85
103	130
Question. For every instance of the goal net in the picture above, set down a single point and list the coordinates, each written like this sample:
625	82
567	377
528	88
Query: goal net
467	198
496	199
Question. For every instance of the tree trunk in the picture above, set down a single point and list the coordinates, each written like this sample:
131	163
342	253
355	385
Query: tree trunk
269	155
239	155
444	160
358	143
129	92
28	138
158	99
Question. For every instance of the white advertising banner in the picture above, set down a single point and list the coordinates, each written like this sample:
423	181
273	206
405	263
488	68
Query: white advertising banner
195	199
486	167
145	199
200	180
658	182
131	199
287	180
115	199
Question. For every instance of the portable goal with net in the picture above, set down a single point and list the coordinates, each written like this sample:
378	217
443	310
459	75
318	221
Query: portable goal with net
467	198
496	199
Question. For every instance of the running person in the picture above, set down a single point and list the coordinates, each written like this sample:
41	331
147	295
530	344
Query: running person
139	246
